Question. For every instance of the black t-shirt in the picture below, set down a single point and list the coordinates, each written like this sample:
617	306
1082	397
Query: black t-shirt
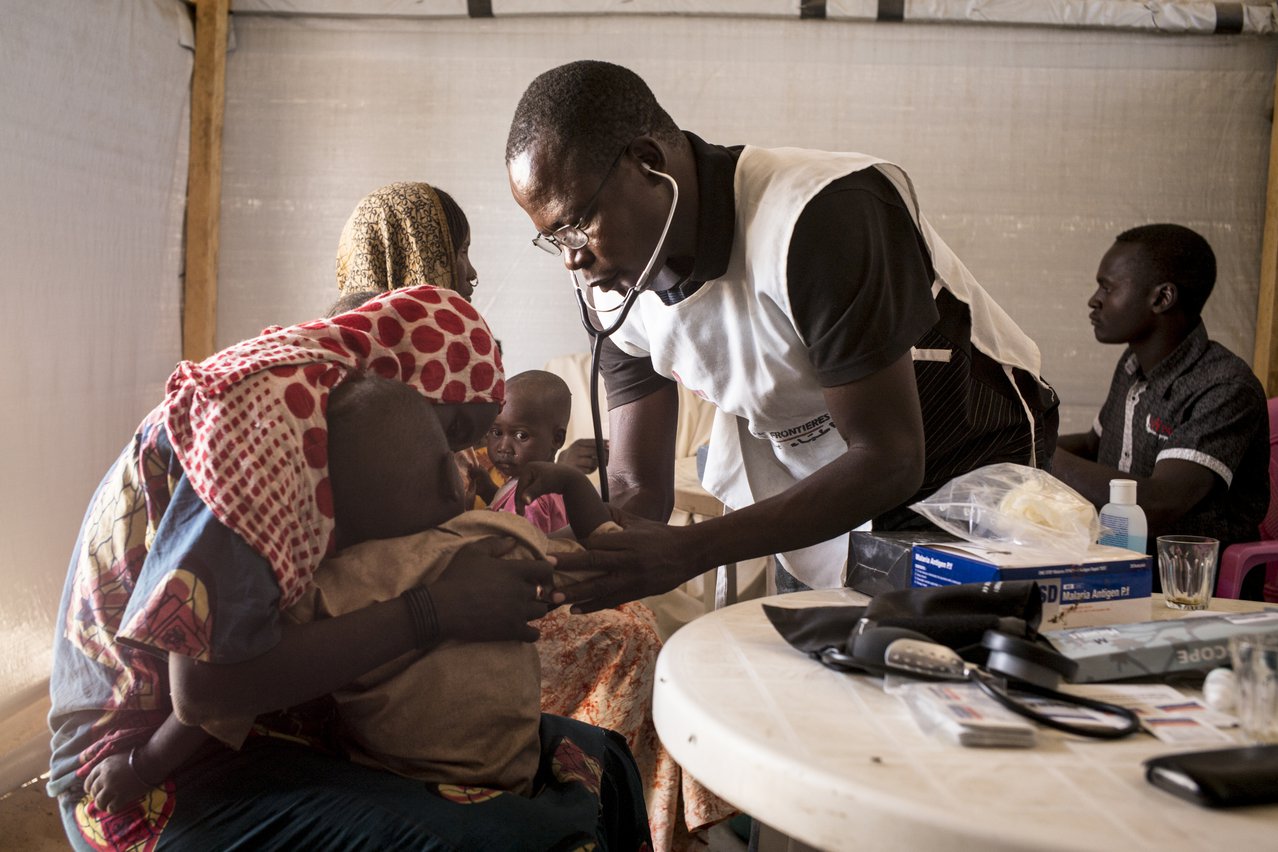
858	275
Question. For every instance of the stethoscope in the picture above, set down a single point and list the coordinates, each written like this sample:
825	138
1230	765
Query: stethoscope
590	313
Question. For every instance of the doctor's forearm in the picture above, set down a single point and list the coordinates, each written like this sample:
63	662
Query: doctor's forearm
838	497
648	503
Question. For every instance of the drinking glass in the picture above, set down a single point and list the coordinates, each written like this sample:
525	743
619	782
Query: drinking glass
1255	663
1187	567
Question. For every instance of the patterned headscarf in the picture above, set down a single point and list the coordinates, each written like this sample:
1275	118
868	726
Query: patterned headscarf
397	237
248	423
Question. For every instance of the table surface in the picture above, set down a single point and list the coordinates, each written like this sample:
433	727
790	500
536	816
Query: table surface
831	760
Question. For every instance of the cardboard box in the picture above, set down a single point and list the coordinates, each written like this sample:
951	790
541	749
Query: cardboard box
882	561
1110	586
1125	651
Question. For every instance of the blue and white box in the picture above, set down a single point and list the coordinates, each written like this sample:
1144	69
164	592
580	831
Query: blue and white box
1110	586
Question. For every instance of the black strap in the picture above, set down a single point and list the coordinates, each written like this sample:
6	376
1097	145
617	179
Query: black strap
811	9
1229	18
891	10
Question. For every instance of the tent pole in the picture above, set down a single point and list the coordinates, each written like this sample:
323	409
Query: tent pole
204	179
1266	359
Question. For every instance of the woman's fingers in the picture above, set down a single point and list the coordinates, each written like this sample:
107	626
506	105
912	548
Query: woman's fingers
481	597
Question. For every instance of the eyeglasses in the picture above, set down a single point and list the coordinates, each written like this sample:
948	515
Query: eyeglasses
574	237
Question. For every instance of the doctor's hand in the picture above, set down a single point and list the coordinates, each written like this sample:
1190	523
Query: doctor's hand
645	558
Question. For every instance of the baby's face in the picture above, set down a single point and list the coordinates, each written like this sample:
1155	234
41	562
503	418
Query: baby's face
522	433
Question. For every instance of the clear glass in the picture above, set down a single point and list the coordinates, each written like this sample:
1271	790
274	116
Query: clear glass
1255	663
569	237
1187	567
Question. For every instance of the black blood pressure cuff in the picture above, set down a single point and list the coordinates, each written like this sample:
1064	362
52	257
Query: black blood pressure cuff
957	616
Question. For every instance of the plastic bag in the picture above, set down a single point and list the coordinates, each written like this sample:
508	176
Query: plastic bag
1012	504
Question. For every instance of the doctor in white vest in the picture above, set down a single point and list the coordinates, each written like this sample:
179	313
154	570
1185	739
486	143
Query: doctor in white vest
855	362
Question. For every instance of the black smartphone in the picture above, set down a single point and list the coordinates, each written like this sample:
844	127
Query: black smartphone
1222	778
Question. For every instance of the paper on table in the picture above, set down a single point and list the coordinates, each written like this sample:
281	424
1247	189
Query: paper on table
960	713
1164	711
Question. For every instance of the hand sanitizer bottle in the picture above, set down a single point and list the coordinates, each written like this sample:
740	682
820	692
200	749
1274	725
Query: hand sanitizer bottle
1123	517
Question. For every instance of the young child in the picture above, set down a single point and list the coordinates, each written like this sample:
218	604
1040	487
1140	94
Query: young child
464	714
530	429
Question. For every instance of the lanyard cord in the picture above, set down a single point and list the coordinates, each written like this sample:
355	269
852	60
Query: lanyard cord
1002	696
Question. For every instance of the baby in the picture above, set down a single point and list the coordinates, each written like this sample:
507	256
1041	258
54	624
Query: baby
463	713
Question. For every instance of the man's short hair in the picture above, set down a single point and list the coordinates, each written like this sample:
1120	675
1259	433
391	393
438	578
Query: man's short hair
585	112
1180	256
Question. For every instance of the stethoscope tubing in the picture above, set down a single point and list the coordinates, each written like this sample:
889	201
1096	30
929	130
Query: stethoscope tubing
598	335
833	658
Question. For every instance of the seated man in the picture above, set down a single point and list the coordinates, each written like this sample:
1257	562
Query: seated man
1185	417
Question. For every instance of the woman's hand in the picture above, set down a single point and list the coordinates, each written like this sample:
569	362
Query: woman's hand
581	455
113	785
481	597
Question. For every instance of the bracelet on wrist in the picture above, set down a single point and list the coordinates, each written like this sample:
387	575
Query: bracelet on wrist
421	608
133	767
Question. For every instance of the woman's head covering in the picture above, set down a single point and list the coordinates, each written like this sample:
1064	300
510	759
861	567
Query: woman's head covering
398	236
248	423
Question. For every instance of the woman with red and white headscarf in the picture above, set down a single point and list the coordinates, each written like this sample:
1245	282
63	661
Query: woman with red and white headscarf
211	522
598	668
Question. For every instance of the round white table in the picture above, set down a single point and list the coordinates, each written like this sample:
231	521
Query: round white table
830	760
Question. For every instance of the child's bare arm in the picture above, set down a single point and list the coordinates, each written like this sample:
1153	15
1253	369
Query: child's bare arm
586	511
121	779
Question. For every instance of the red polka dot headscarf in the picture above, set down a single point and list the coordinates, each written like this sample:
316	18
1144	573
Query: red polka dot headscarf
248	423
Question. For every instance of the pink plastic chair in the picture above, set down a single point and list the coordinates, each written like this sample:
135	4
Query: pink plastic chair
1239	559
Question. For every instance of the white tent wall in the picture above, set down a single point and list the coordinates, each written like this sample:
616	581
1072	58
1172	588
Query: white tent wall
93	164
1031	148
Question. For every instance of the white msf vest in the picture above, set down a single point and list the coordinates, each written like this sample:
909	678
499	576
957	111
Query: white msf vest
734	341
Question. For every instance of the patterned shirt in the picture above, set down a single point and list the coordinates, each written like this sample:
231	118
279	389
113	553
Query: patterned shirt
1200	404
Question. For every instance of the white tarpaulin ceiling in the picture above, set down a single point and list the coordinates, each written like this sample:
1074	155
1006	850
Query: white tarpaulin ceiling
1168	16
